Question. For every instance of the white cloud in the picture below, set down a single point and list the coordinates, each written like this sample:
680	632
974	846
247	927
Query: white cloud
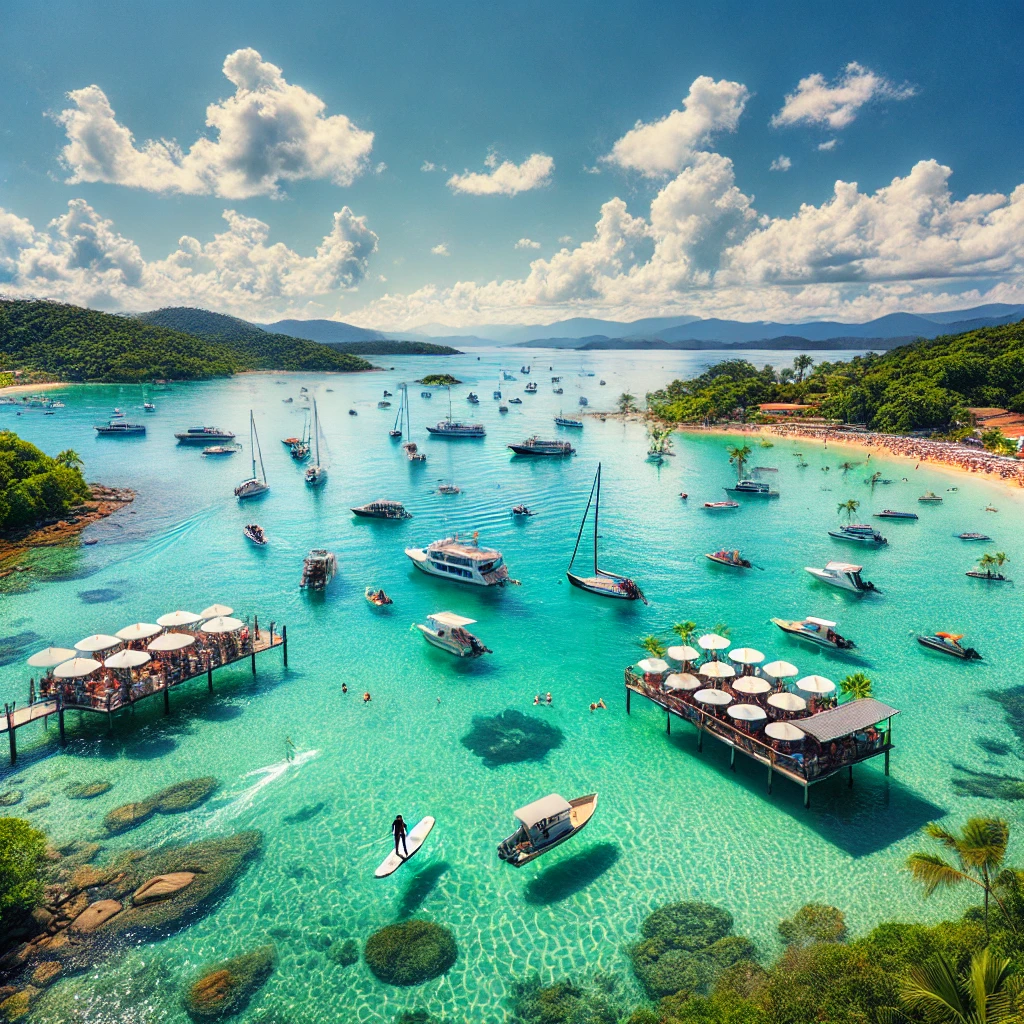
827	146
564	239
781	163
506	179
836	104
440	250
82	258
427	167
380	168
527	243
591	170
666	146
267	133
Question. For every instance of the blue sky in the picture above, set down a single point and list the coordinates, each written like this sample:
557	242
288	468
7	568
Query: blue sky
527	114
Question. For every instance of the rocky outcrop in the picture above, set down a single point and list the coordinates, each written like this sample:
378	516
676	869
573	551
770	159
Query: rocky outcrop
182	796
410	953
88	790
226	988
11	797
95	916
161	886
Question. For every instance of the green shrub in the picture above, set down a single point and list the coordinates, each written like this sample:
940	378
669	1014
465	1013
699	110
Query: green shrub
813	922
22	849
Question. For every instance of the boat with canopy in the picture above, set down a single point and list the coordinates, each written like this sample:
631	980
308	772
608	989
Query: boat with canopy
545	824
821	632
447	632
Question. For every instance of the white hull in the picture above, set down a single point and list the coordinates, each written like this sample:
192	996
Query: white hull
842	582
421	562
443	643
251	489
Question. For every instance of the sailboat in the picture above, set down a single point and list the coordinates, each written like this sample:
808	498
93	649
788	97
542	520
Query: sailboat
255	485
316	474
402	419
607	584
299	450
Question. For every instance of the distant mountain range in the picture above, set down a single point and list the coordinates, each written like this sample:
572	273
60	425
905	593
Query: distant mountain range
327	332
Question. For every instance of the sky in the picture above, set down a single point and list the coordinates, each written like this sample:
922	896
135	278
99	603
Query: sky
395	165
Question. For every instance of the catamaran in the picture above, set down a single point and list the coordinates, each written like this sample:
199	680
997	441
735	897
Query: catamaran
463	562
607	584
317	473
204	435
255	485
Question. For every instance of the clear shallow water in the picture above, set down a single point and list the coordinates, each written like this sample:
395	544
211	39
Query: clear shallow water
671	824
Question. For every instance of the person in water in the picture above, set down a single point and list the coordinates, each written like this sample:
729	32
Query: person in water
398	830
548	701
344	687
289	749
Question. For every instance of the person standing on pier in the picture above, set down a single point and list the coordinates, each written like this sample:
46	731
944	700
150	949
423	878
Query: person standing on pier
398	828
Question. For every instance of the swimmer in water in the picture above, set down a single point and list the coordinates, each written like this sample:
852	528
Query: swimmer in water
549	697
344	687
593	708
601	704
366	697
536	700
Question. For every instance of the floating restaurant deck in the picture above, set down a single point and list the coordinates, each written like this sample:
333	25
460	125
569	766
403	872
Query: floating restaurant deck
847	723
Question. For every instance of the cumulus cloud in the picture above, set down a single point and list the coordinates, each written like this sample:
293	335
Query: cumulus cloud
817	101
827	146
781	163
505	179
268	132
440	250
666	146
527	243
564	239
81	257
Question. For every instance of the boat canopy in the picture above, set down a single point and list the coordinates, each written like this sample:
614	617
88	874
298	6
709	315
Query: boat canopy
827	623
547	807
450	619
843	567
847	719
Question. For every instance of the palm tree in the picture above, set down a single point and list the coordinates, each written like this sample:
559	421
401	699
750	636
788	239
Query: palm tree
1000	559
684	630
738	454
800	364
849	507
988	992
627	402
855	686
652	645
980	850
722	629
69	458
990	562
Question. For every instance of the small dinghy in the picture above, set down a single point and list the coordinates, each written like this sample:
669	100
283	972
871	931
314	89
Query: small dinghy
522	510
949	643
730	558
414	840
545	824
717	506
352	412
254	532
376	596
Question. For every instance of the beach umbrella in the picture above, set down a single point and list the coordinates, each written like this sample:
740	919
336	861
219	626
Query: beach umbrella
127	659
50	657
138	631
783	731
780	669
815	684
214	610
717	670
682	681
746	713
719	697
171	642
178	618
683	653
96	642
746	656
750	684
222	624
713	642
76	668
653	666
787	702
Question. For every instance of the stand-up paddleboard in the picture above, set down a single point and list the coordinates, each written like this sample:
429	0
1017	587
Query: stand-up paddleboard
414	839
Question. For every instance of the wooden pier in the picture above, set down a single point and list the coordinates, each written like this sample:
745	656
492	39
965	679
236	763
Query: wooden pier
842	722
14	718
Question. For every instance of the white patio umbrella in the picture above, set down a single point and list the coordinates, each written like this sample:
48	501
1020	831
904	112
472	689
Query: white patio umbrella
683	653
750	684
719	697
815	684
783	731
713	642
127	659
178	618
76	668
215	610
746	656
717	670
96	642
138	631
780	669
50	657
682	681
653	666
171	642
746	713
787	702
222	624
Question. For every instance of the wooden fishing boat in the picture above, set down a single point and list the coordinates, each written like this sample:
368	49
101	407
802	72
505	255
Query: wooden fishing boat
607	584
949	643
545	824
377	597
730	558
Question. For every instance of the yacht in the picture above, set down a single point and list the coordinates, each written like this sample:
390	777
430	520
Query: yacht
255	485
821	632
462	561
383	509
449	428
970	535
929	498
531	388
204	435
568	421
755	488
535	446
888	513
843	575
446	631
317	473
545	824
318	569
860	533
119	428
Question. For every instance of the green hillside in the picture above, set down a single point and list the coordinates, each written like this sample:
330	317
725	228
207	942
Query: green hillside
257	348
392	348
33	486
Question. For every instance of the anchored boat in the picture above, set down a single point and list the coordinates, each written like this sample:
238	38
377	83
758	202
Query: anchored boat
545	824
319	568
949	643
453	429
204	435
119	428
535	446
717	506
860	533
888	513
377	597
254	533
843	575
382	509
821	632
255	485
446	631
317	473
754	488
930	498
730	558
568	421
455	559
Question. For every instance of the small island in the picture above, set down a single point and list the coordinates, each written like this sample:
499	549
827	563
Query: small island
439	380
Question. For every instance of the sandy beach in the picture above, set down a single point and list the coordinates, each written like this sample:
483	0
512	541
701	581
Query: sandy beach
20	389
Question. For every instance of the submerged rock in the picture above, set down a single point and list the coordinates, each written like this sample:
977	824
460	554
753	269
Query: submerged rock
95	915
127	816
11	797
38	803
344	952
410	953
511	737
226	988
182	796
88	790
161	886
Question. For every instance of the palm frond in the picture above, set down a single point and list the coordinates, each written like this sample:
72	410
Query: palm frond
934	990
935	873
984	842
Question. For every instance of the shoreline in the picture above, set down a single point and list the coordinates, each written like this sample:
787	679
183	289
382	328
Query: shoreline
20	389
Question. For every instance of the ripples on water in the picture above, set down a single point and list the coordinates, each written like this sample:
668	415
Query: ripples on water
671	824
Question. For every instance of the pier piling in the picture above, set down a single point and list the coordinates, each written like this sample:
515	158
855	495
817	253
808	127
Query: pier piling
167	700
60	721
769	779
284	648
209	679
10	734
668	723
732	759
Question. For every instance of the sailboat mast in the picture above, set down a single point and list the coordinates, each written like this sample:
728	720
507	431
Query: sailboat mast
583	522
252	443
408	420
597	512
401	406
449	403
316	431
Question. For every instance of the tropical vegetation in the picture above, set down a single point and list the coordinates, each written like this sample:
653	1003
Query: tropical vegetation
35	487
22	851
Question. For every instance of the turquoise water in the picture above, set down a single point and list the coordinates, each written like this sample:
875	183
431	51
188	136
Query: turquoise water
671	823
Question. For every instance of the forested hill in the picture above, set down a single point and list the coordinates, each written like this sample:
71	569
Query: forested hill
257	348
393	348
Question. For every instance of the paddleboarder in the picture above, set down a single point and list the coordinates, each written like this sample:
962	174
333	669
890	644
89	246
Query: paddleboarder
399	830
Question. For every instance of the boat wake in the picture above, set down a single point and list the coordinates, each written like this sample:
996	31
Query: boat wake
238	803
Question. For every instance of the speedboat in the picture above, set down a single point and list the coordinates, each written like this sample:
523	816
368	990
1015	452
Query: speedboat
545	824
931	498
473	399
204	435
318	569
377	597
535	446
222	449
449	489
716	506
973	536
462	561
515	401
817	631
844	575
949	643
888	513
148	406
860	533
382	509
446	631
756	488
568	421
531	388
387	394
730	558
120	428
254	533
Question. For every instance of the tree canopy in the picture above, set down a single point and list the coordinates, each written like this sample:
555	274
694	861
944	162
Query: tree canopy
33	486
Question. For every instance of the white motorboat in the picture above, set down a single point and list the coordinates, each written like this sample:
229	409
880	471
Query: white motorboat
255	533
256	484
446	631
754	488
204	435
821	632
844	575
860	533
461	561
545	824
568	421
317	473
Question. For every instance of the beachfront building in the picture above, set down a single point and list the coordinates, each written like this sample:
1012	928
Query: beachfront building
986	418
775	411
